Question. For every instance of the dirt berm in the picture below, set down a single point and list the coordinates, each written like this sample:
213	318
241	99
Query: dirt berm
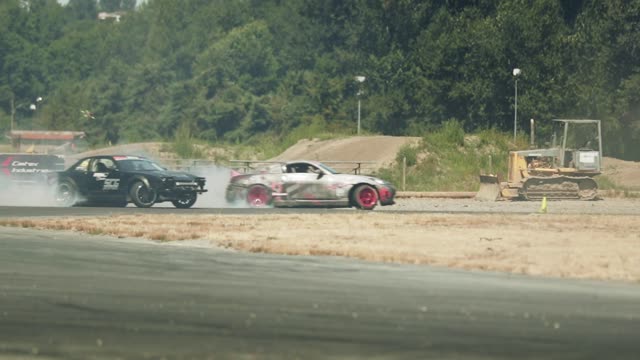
376	151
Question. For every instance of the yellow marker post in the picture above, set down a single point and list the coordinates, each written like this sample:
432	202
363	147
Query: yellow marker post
543	206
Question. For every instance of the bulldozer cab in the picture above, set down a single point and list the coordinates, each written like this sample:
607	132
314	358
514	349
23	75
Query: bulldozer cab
579	143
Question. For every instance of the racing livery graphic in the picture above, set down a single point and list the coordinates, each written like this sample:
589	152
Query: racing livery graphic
308	183
28	168
117	180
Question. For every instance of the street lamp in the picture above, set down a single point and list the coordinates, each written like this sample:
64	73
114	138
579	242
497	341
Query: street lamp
516	72
33	106
360	80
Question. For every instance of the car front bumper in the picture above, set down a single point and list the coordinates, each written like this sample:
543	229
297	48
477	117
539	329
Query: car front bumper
387	195
178	190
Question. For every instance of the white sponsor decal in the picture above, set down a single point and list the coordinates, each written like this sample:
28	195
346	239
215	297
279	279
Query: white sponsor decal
29	171
111	184
24	163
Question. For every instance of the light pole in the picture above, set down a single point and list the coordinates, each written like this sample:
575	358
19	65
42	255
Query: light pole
360	80
516	72
32	107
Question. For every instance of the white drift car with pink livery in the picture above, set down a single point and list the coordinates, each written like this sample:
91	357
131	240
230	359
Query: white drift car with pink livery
308	184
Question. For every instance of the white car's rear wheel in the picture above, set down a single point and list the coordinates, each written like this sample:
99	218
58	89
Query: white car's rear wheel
258	196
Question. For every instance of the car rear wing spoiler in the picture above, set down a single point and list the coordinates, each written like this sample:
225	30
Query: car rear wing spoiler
355	167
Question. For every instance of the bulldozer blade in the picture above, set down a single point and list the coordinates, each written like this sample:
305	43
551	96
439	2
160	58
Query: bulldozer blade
489	188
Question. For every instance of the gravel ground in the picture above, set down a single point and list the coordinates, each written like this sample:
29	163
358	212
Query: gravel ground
570	243
609	206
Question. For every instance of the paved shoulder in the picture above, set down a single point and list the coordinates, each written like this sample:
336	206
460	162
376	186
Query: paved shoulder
67	295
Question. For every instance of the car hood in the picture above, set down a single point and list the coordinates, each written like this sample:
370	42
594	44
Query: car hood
354	179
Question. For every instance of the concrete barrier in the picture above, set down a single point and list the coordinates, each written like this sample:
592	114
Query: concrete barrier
435	194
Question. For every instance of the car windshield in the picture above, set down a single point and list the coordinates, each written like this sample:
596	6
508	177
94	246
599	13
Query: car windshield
139	165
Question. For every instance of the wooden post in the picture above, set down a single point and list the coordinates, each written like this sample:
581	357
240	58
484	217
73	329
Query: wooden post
404	173
490	165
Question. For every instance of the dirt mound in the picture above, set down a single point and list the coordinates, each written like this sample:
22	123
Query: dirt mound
622	173
380	150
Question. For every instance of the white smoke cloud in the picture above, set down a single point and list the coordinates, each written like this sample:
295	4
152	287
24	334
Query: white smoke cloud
26	194
217	181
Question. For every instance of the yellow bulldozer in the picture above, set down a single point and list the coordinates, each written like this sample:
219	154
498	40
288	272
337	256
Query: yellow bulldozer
565	170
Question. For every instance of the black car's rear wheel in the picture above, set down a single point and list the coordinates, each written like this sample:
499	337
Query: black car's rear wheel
66	194
186	201
142	195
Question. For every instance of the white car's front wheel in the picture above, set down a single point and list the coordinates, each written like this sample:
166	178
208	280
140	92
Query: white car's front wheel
365	197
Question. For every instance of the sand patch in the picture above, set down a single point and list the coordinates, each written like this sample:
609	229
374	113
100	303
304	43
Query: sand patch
570	246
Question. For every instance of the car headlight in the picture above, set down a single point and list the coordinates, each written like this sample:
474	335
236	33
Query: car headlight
168	181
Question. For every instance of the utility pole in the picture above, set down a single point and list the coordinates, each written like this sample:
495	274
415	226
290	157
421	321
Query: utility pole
13	111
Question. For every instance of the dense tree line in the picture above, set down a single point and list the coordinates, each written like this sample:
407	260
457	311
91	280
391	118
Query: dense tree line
232	70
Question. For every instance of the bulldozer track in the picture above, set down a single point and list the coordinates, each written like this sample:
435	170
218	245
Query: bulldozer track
559	188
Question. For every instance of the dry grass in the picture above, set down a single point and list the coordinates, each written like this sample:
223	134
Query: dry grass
576	246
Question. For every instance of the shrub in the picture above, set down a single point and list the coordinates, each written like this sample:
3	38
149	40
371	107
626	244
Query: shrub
183	144
408	152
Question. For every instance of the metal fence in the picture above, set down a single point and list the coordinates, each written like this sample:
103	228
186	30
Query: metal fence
189	164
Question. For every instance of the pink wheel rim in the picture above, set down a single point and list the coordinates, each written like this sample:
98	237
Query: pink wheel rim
257	196
367	197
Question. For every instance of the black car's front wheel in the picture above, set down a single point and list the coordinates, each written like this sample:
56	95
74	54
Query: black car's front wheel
66	194
142	195
186	201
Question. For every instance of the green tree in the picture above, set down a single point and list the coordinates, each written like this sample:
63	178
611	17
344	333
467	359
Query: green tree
115	5
83	9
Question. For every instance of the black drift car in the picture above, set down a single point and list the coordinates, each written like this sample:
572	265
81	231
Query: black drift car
116	180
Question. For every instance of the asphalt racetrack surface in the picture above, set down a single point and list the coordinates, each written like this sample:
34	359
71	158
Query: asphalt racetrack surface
66	295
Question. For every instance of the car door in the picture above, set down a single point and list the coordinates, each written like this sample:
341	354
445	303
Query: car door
304	182
81	176
104	180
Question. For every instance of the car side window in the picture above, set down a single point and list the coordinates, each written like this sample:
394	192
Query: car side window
110	164
83	166
103	165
